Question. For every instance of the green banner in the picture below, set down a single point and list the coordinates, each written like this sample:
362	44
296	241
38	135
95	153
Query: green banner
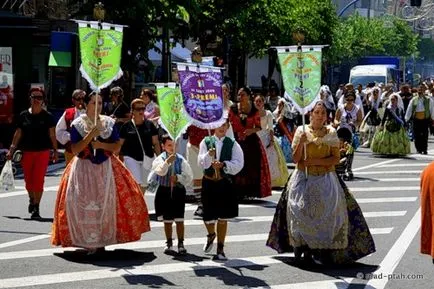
101	48
172	114
305	66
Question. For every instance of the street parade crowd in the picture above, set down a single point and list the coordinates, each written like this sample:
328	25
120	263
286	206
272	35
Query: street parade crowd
112	163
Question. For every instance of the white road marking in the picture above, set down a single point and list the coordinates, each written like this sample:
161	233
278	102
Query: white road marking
23	241
385	189
326	284
403	165
138	270
374	173
386	200
153	244
24	192
384	214
394	256
374	165
377	189
389	180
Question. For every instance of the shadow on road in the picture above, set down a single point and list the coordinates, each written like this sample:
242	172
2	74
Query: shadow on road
332	270
41	220
119	258
230	278
151	281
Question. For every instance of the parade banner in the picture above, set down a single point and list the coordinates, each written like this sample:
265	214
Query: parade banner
172	114
100	47
297	66
202	93
6	85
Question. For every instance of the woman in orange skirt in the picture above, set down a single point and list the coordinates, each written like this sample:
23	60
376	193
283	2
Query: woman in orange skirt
98	202
427	207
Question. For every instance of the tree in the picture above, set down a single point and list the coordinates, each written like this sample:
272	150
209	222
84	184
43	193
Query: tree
357	36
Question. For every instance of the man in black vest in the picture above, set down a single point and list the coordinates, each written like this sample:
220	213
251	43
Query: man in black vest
221	158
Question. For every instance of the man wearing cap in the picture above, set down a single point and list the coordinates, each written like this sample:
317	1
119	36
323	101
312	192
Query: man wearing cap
63	126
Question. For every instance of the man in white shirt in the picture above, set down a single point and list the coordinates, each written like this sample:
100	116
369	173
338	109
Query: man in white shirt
221	158
63	126
420	111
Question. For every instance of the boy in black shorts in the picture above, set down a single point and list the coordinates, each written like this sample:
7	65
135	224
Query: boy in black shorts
221	158
173	174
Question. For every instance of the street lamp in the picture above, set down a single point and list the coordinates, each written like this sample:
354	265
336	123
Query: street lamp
422	16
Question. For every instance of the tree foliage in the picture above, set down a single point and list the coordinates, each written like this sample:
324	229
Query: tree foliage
357	36
264	23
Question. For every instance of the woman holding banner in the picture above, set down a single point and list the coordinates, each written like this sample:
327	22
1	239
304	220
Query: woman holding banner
316	215
254	180
98	203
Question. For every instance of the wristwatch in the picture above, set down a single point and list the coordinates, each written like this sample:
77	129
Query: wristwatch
225	168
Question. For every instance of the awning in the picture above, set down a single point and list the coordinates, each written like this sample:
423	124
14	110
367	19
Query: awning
60	59
61	47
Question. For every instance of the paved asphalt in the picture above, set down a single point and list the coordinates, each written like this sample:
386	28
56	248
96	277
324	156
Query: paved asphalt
386	189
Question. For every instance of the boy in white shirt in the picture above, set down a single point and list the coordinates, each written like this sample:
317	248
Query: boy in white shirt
173	175
221	158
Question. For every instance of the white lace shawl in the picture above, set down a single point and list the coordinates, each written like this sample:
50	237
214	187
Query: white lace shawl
83	124
330	138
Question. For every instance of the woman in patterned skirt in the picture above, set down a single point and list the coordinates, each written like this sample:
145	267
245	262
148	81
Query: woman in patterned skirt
98	203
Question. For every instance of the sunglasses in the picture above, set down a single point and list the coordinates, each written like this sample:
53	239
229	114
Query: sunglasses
37	97
139	109
79	99
350	100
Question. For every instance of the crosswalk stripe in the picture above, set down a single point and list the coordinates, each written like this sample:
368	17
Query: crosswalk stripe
326	284
374	173
386	200
143	270
384	214
389	180
375	189
403	165
24	192
154	244
23	241
385	189
257	219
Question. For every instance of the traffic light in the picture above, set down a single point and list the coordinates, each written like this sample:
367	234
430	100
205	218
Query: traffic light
416	3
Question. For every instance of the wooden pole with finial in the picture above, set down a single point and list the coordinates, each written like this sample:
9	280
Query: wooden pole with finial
99	15
298	36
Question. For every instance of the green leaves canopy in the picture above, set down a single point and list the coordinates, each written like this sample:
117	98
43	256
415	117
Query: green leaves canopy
358	36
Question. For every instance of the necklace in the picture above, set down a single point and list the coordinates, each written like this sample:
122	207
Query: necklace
316	132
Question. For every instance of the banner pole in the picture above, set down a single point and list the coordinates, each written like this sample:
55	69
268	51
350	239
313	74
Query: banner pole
300	67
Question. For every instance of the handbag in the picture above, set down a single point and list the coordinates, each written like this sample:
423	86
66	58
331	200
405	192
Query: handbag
7	178
147	161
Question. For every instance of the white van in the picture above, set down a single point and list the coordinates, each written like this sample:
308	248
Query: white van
364	74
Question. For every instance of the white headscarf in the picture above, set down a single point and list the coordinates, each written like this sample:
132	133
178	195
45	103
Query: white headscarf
375	102
328	101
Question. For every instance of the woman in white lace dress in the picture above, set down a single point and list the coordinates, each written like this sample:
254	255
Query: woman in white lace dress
276	159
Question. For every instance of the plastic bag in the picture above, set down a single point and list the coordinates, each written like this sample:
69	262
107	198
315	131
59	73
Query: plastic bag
153	183
7	183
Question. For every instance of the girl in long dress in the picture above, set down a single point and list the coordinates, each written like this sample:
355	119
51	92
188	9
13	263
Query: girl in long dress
391	137
317	216
276	160
98	203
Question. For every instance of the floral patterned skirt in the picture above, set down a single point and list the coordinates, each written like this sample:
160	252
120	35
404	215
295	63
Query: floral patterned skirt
360	241
98	205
